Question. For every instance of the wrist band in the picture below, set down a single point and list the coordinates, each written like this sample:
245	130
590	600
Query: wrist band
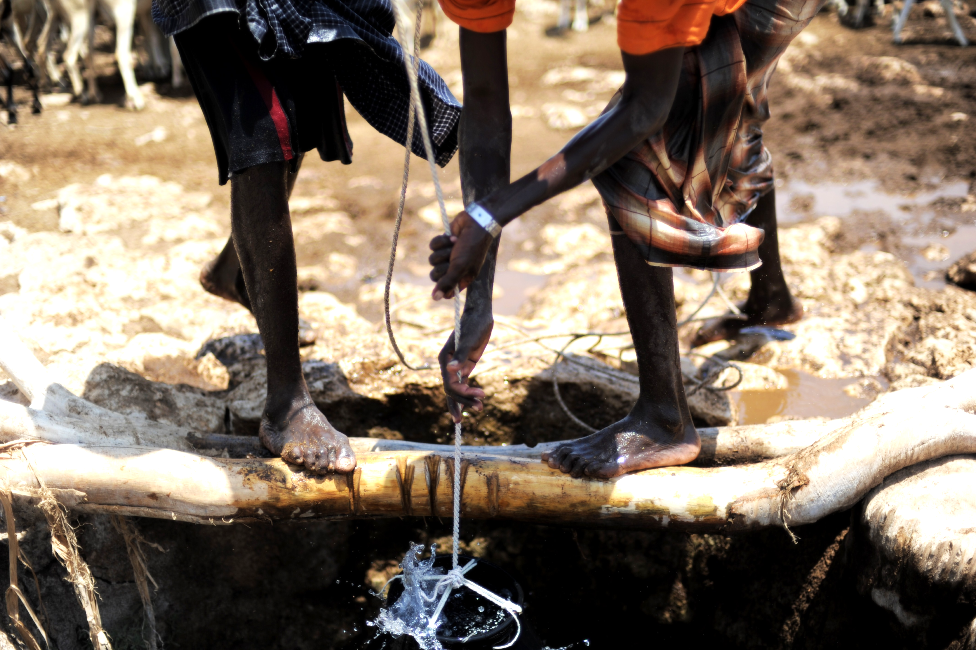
484	219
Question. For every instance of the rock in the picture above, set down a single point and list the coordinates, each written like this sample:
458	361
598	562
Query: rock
166	359
125	392
865	388
963	272
10	393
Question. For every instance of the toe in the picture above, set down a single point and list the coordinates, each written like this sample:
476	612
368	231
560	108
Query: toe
293	454
319	464
346	460
568	461
576	467
557	456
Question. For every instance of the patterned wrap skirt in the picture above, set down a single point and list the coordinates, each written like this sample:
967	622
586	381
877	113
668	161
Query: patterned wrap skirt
682	196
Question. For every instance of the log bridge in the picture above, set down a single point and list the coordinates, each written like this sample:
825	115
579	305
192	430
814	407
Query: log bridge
786	474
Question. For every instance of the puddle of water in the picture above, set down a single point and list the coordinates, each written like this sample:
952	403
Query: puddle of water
937	252
807	397
931	253
843	199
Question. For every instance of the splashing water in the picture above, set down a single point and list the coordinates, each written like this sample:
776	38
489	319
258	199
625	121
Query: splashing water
412	611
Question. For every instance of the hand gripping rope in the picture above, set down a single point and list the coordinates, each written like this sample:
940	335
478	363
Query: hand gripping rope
455	578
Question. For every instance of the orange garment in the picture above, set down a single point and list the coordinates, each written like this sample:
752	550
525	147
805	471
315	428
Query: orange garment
643	26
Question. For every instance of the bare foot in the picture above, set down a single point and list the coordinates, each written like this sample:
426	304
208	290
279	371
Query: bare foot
301	435
216	279
632	444
777	312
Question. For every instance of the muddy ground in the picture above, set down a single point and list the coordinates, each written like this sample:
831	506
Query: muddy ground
99	265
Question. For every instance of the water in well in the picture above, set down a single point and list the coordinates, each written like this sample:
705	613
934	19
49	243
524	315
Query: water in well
467	619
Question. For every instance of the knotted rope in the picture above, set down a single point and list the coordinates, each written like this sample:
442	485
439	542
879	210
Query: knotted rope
455	577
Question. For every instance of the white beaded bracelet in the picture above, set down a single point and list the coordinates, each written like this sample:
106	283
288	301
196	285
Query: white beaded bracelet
484	219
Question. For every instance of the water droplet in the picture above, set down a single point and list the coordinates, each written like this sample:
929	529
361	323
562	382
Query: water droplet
337	581
481	608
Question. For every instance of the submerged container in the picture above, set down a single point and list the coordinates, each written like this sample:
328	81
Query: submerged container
473	622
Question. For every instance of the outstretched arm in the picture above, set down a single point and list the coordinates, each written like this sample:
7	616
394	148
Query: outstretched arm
486	146
645	101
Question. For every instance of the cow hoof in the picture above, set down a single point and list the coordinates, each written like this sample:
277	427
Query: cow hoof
83	99
37	107
11	117
135	103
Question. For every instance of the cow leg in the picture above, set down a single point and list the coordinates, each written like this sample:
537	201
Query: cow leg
563	23
159	65
902	19
30	70
179	78
581	22
79	22
41	45
950	12
8	79
124	12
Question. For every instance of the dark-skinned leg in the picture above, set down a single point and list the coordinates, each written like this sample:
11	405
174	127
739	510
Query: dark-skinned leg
770	301
292	426
658	432
222	275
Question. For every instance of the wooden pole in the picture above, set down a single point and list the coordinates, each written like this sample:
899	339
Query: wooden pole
901	429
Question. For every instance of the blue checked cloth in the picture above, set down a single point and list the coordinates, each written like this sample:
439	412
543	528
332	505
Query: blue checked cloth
371	73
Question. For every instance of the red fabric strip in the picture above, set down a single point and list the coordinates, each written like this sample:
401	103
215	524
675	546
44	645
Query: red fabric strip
270	97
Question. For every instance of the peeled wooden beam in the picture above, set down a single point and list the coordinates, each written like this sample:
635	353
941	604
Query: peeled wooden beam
828	476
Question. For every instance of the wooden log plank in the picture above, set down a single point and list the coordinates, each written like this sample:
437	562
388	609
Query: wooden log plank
833	474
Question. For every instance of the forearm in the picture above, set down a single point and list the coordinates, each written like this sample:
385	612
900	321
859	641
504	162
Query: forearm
642	110
486	138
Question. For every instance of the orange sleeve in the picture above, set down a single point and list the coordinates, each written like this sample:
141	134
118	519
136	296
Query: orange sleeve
483	16
645	26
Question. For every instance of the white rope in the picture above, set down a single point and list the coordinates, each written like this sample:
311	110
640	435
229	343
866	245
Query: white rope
455	577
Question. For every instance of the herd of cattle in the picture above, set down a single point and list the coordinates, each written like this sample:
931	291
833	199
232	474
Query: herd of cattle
41	31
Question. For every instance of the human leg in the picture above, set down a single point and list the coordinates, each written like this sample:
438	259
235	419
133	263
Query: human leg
770	301
658	432
292	426
222	276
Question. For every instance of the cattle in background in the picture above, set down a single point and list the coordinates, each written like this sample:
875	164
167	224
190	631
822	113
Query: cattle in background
16	17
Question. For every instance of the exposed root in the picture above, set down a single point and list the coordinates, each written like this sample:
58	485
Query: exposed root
133	544
14	594
64	544
795	479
